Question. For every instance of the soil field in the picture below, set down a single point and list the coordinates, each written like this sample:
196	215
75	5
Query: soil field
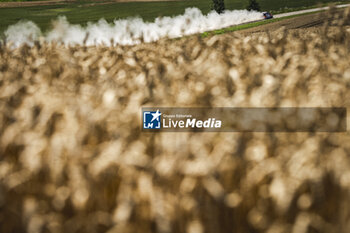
60	2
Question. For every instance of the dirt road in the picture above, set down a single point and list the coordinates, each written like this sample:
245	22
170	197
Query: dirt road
304	21
308	11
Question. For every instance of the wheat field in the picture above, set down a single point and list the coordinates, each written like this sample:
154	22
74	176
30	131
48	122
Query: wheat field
73	157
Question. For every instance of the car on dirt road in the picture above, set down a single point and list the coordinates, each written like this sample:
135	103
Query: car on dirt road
267	15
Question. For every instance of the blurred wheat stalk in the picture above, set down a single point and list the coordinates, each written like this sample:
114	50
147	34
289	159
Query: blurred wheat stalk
73	158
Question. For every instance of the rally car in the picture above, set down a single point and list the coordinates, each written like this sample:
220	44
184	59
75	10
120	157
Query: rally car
267	15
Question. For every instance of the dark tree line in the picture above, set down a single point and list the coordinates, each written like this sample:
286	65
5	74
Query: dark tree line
253	5
219	6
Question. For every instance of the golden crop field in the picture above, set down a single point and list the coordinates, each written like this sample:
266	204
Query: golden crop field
73	157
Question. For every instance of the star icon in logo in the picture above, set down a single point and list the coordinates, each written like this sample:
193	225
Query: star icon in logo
156	115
